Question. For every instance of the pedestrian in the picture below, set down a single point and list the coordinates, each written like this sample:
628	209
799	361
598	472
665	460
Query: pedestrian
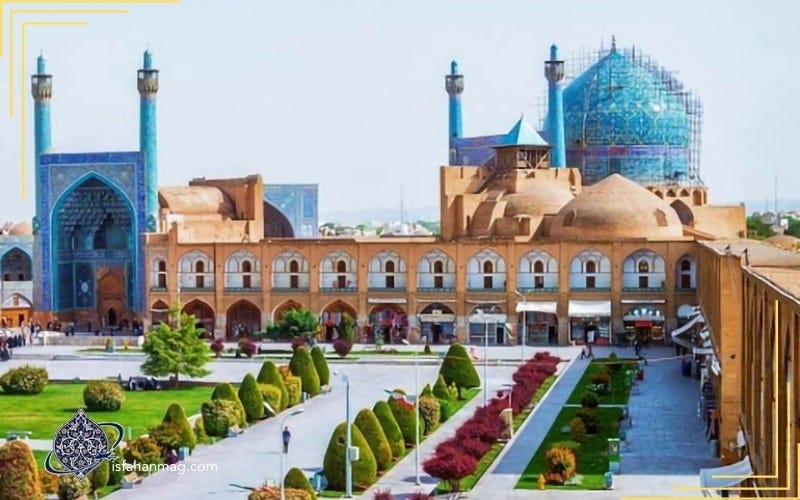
590	342
286	437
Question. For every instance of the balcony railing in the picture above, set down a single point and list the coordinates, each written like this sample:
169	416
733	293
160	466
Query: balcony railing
158	289
336	289
591	290
288	289
386	289
491	290
685	289
539	290
433	289
643	289
191	289
241	289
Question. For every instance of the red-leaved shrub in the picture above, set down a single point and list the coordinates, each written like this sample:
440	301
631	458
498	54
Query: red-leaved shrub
383	495
217	347
249	349
342	347
451	467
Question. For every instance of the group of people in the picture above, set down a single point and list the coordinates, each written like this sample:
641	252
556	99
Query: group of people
8	343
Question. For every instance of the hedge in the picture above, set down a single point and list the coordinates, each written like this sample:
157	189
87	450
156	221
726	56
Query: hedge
390	428
219	415
296	479
250	396
364	470
457	368
302	366
269	374
405	417
272	396
103	395
19	476
226	391
321	365
24	380
176	415
370	427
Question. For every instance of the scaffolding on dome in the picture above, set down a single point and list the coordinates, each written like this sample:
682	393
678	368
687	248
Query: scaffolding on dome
692	105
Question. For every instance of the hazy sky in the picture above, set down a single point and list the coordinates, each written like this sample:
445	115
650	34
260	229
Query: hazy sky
350	94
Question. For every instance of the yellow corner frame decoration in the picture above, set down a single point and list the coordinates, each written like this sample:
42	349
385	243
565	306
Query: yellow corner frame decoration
25	24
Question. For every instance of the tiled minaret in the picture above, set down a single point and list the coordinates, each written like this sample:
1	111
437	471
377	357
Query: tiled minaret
147	83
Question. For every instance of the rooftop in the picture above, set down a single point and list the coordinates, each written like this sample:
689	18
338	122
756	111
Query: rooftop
759	254
787	280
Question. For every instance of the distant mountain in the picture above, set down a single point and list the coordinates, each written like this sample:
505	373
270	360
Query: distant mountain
354	217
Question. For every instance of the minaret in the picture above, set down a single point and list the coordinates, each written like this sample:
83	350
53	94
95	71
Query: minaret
454	83
147	83
42	91
554	72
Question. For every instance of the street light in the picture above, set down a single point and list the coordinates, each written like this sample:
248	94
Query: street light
298	411
482	315
348	466
524	322
416	413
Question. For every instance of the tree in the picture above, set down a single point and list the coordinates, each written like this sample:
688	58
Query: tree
299	321
457	368
302	366
176	415
364	469
19	476
321	365
368	424
269	374
250	396
176	349
452	467
758	229
346	330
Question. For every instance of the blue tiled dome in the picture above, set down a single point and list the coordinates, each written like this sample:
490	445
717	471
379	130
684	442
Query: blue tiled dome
620	117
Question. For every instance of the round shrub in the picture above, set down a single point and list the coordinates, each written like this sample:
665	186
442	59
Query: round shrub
296	479
219	415
48	481
589	400
269	374
368	424
577	430
404	414
271	395
100	475
457	368
24	380
342	347
250	396
248	348
302	366
227	392
321	365
364	470
70	487
589	418
143	450
560	463
103	395
167	435
390	428
217	347
176	415
19	476
431	412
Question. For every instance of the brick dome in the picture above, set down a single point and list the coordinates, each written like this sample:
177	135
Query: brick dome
21	229
547	199
616	207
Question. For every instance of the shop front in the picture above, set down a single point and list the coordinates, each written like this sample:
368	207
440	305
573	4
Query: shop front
538	322
487	324
437	323
590	316
644	322
389	320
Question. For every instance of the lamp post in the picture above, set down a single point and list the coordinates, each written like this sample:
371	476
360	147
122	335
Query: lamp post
416	414
510	389
524	322
485	357
298	411
348	466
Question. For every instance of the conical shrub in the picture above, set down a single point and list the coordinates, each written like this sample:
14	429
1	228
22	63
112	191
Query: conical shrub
269	374
302	366
296	479
405	415
457	368
250	396
321	365
364	470
176	415
368	424
226	391
19	475
390	428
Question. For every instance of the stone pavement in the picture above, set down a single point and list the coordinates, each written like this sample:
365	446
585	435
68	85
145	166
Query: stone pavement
667	444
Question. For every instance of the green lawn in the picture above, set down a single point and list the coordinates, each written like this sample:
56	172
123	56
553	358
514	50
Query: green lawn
592	455
619	392
483	465
44	413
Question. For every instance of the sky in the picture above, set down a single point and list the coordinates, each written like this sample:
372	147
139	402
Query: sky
350	94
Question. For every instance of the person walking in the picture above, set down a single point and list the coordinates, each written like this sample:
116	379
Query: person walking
590	341
286	437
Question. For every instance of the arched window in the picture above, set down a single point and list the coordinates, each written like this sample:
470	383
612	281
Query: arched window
591	266
162	274
386	269
338	271
247	267
242	270
389	266
590	269
486	270
290	271
488	267
644	267
538	266
196	270
341	267
199	266
162	266
686	276
537	270
686	265
436	272
438	267
294	266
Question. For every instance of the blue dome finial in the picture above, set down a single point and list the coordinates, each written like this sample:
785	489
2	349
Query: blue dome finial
148	59
453	67
40	64
553	52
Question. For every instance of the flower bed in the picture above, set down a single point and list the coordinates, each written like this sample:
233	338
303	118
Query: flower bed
460	456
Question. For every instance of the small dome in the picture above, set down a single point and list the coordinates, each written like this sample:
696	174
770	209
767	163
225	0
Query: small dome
547	199
196	200
784	241
616	207
21	229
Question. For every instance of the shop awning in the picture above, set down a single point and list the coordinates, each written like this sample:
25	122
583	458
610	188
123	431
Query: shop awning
687	326
543	307
643	301
437	318
720	477
390	300
589	308
487	318
650	318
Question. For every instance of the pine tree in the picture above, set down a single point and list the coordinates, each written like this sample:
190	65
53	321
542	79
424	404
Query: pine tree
176	349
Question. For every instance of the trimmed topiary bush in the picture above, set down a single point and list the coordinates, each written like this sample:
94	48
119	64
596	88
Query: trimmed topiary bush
302	366
577	430
219	415
390	428
70	487
457	368
589	418
143	450
404	414
294	386
226	391
269	374
342	347
250	396
427	391
272	493
100	475
167	435
272	396
48	481
589	400
296	479
103	395
364	470
24	380
200	431
431	413
442	391
19	476
321	365
560	465
447	409
176	415
370	427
